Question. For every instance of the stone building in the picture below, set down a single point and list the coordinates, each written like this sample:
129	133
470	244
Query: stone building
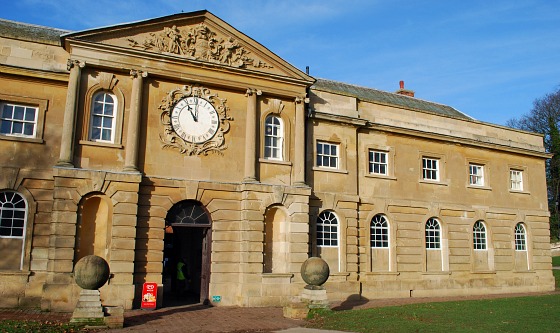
181	137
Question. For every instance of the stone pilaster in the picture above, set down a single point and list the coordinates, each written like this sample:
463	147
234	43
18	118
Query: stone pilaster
299	158
132	135
251	136
69	120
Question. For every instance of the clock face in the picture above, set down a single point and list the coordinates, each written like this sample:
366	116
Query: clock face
195	119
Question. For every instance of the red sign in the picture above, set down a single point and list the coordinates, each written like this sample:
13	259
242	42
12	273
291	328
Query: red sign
149	295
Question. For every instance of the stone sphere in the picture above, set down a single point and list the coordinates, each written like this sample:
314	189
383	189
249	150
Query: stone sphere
91	272
315	271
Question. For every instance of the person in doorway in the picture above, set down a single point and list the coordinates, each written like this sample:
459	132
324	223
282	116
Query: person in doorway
182	277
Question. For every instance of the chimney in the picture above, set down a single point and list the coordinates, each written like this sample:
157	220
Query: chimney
403	91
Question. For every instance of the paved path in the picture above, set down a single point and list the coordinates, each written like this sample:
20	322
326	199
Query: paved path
204	319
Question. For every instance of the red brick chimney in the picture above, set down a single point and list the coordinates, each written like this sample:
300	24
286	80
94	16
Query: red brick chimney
403	91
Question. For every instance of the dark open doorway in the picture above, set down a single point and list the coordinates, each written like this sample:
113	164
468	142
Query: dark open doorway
187	239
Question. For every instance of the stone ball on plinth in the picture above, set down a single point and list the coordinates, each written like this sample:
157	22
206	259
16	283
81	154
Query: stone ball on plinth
315	272
91	272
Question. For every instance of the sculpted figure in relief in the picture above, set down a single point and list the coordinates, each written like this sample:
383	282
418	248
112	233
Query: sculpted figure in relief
199	43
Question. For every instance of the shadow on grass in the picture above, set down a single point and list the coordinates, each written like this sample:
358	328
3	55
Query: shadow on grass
351	302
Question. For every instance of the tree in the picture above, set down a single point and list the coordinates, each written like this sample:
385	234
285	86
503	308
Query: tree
544	118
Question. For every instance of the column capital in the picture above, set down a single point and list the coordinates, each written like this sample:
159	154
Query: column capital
73	63
134	73
251	91
302	99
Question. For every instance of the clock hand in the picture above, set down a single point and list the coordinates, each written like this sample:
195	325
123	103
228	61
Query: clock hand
196	107
194	117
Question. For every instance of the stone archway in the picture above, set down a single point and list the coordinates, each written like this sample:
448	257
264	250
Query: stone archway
188	235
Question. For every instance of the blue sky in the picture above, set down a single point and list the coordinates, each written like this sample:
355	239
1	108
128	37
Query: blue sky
489	59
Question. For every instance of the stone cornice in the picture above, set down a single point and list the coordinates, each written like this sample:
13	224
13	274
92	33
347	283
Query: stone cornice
459	140
35	73
338	118
152	63
363	123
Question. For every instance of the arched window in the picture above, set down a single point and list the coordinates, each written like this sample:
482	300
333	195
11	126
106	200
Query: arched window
327	229
103	117
479	236
273	138
433	234
379	232
13	213
520	237
188	213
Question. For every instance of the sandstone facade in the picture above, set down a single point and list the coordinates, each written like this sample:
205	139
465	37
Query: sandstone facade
402	197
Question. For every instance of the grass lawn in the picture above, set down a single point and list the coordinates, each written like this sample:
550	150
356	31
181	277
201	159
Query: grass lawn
521	314
556	272
20	326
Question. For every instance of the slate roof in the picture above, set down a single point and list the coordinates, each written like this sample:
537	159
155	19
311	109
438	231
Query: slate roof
30	32
387	98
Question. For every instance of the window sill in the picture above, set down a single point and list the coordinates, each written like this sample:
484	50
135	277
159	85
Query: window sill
278	275
382	273
21	138
387	177
270	161
519	192
101	144
483	272
477	187
433	182
528	271
329	170
437	273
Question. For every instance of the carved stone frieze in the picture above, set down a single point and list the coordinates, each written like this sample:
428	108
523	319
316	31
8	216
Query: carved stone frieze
199	43
171	139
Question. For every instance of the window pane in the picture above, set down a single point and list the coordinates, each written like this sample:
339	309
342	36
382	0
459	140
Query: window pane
96	121
30	114
6	127
96	133
106	135
28	129
7	111
108	110
107	122
18	112
17	128
97	108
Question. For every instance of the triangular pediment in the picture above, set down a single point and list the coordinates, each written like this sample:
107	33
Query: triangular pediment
197	37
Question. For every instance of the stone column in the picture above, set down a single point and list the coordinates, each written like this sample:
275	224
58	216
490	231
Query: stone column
132	135
251	136
69	120
299	158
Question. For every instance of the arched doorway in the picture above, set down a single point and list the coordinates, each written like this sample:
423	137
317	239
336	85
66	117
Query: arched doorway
188	237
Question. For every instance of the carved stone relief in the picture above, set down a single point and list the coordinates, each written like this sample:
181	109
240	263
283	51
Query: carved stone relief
199	43
171	139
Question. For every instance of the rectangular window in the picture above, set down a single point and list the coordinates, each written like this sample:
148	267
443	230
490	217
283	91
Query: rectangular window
516	180
430	168
327	155
476	175
18	120
378	162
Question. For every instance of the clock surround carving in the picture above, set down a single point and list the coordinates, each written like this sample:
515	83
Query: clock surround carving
171	139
